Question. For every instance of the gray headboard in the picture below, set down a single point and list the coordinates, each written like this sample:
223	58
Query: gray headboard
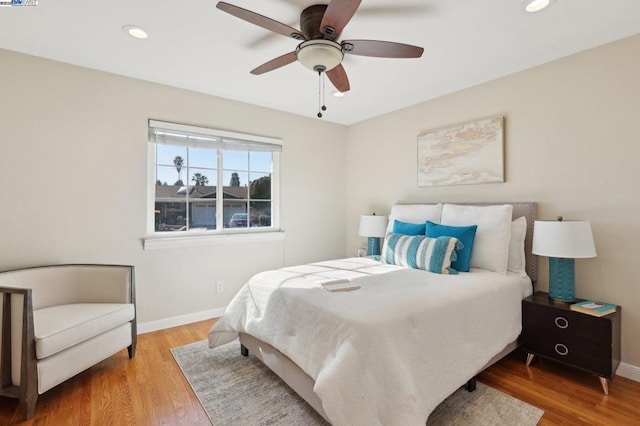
530	211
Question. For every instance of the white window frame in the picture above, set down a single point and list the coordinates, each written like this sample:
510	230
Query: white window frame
220	235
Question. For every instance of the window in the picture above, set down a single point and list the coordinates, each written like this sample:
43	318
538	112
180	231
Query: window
206	181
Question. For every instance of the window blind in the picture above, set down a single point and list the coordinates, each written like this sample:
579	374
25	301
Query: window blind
202	137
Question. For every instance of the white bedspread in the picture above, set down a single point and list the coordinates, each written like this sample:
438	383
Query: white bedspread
389	352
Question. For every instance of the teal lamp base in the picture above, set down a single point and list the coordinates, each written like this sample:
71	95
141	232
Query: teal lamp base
373	246
562	279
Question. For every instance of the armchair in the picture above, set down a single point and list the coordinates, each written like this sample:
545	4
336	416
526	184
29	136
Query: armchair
57	321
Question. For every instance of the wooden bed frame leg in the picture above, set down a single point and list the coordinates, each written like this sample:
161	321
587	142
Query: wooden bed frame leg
243	350
471	385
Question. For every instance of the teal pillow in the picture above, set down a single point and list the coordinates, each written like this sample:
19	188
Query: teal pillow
405	228
420	252
464	234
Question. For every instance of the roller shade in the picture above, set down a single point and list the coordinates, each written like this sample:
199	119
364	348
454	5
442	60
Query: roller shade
201	137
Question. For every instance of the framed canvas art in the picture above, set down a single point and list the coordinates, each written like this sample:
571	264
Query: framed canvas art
463	154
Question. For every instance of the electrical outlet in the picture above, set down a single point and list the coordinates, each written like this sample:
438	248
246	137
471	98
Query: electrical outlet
219	286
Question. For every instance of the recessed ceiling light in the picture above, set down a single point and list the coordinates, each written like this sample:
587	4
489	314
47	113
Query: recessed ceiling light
536	5
135	31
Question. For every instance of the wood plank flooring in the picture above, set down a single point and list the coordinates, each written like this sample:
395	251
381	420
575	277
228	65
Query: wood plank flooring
151	390
568	396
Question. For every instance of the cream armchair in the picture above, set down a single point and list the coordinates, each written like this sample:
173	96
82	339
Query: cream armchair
59	320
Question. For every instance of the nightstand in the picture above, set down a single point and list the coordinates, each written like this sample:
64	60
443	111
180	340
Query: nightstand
553	331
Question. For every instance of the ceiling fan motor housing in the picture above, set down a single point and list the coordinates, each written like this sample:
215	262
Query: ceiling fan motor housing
310	20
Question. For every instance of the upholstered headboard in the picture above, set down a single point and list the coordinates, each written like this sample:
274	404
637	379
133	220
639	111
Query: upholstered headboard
530	211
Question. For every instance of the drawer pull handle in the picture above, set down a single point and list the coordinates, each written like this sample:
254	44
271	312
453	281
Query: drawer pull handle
561	349
562	322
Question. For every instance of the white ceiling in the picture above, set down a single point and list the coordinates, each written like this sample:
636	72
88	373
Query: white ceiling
195	46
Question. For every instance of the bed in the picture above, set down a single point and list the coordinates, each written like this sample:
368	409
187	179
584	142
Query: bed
390	351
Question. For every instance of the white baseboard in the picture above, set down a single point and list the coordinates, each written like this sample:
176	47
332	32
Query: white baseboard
149	326
629	371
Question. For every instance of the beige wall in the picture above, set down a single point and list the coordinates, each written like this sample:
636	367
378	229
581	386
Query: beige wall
572	144
73	147
73	173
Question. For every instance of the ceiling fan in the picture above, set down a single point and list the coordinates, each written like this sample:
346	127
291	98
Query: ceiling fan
320	28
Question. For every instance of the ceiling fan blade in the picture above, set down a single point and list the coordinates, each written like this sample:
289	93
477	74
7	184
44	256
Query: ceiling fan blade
337	15
339	78
276	63
381	49
261	21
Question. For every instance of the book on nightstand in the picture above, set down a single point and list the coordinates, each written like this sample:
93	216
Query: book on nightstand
597	309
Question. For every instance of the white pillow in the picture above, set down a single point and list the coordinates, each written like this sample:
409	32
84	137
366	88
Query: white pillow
491	244
414	213
517	261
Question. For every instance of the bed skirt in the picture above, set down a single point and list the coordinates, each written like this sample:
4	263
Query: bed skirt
300	381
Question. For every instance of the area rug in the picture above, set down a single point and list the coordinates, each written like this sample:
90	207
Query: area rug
235	390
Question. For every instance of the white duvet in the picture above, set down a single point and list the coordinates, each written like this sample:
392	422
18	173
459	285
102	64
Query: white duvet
389	352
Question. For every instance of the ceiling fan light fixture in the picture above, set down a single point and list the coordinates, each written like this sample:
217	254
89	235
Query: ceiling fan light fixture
536	5
319	54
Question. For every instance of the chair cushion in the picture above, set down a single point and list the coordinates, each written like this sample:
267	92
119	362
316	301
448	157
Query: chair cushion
59	327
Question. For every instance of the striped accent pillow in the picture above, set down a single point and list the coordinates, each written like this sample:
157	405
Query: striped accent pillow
420	252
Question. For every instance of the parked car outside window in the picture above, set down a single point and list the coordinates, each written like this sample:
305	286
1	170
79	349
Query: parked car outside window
238	220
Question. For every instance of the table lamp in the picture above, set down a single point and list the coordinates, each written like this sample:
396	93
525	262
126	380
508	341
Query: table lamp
563	242
373	227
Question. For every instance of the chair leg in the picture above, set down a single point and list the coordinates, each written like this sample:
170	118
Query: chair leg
134	340
28	405
132	348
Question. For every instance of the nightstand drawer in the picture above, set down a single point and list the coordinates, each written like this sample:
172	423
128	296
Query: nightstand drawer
568	353
535	337
567	322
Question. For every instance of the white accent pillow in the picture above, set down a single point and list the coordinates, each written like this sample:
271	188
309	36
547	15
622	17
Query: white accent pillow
491	244
414	213
517	261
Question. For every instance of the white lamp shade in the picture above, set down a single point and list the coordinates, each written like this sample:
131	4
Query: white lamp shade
563	239
372	226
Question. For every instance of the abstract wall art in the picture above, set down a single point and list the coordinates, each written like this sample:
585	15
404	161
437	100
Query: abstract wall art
469	153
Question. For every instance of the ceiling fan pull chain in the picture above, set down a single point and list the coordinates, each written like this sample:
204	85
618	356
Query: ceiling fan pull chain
320	94
324	108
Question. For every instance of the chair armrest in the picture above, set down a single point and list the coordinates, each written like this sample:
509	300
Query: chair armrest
15	290
5	337
27	392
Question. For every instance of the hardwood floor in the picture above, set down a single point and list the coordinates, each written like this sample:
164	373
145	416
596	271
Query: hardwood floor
568	396
146	390
151	390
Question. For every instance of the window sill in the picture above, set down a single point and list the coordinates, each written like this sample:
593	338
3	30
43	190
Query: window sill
152	243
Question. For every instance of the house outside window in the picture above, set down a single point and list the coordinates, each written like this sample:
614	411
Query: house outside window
207	182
